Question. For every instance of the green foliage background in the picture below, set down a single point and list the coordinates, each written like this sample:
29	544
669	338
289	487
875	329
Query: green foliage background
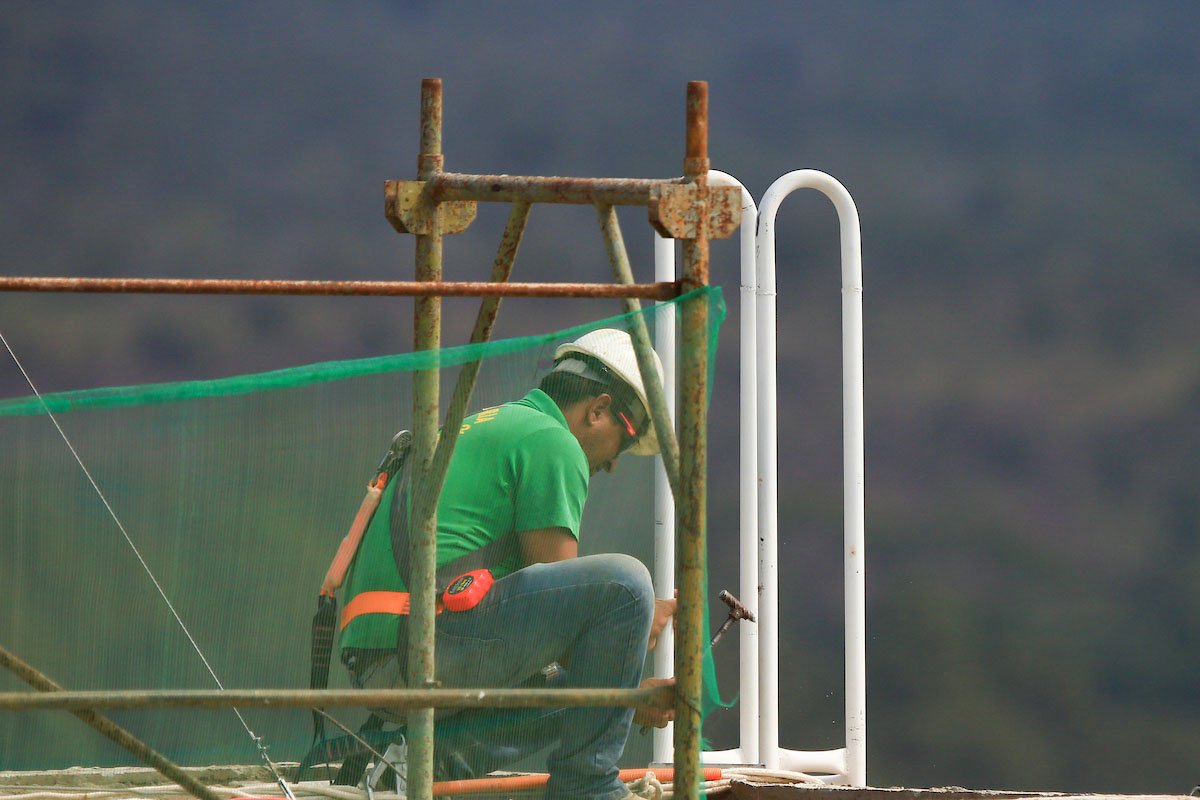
1029	182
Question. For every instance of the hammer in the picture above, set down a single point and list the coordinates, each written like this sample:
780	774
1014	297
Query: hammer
737	611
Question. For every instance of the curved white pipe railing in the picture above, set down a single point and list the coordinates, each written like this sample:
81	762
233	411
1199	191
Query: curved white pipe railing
758	511
851	762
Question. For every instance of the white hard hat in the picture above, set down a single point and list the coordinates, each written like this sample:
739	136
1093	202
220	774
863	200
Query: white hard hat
614	349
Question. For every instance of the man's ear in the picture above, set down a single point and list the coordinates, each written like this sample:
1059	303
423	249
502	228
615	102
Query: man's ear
599	406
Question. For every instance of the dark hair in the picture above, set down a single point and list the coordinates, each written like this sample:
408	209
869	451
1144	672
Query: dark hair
568	388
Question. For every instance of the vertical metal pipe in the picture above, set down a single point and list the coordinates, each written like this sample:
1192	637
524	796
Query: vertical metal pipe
691	501
697	132
427	335
430	160
614	245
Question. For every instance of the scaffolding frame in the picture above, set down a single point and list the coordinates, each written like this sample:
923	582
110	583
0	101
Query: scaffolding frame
435	205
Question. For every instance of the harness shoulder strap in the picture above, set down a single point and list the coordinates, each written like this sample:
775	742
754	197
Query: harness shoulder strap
324	623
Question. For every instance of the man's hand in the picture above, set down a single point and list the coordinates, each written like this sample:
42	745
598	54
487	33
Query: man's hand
663	611
656	717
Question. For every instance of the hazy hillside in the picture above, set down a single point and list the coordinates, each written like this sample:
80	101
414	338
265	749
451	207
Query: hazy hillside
1028	177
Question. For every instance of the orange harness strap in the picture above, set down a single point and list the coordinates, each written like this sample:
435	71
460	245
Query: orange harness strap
381	602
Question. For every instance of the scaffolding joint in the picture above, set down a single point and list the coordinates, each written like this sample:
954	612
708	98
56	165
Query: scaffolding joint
678	209
410	206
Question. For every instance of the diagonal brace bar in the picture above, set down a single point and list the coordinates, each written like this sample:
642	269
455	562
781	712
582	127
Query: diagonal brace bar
485	321
107	727
618	257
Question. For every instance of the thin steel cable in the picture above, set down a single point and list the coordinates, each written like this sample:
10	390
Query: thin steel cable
351	733
258	742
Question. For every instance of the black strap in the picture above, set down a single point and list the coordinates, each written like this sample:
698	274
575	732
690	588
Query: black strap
324	625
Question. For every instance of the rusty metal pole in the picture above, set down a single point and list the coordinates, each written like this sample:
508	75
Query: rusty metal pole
427	325
665	290
690	503
124	699
618	258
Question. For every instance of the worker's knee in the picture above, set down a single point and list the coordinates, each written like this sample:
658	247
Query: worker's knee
628	573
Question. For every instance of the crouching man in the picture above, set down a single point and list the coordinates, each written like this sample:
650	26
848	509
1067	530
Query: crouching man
512	503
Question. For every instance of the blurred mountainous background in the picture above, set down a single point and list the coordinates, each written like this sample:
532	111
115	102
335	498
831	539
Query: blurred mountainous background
1028	177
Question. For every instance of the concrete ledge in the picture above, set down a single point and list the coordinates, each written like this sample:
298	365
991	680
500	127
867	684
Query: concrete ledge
13	783
131	777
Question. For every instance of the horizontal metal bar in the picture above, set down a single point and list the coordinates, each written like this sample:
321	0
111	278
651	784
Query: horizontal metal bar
649	291
450	186
657	697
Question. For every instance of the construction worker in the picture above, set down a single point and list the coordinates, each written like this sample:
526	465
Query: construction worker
512	502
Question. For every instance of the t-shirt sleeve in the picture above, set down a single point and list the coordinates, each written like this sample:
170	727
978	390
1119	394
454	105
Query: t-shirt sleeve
552	481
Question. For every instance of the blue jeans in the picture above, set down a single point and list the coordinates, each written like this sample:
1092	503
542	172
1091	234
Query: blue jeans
590	614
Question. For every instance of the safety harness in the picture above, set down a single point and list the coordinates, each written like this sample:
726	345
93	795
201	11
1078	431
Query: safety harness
466	580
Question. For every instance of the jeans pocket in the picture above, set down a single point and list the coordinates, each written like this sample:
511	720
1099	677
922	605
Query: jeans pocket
471	661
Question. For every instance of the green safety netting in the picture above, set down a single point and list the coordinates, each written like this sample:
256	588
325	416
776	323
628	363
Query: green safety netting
232	496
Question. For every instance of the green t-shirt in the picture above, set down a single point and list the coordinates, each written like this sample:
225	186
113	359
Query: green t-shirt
516	467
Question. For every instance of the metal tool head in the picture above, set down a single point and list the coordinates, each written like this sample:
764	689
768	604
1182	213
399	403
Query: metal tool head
736	609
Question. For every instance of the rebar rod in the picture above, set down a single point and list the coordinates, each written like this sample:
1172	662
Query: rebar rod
645	291
656	697
111	730
691	502
422	577
618	257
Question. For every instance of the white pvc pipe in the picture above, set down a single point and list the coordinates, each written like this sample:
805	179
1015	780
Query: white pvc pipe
748	636
853	470
664	503
768	502
829	766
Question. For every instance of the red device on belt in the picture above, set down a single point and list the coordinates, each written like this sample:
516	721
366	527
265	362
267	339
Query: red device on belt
465	591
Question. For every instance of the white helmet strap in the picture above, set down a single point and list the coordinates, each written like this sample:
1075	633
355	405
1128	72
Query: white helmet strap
589	368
